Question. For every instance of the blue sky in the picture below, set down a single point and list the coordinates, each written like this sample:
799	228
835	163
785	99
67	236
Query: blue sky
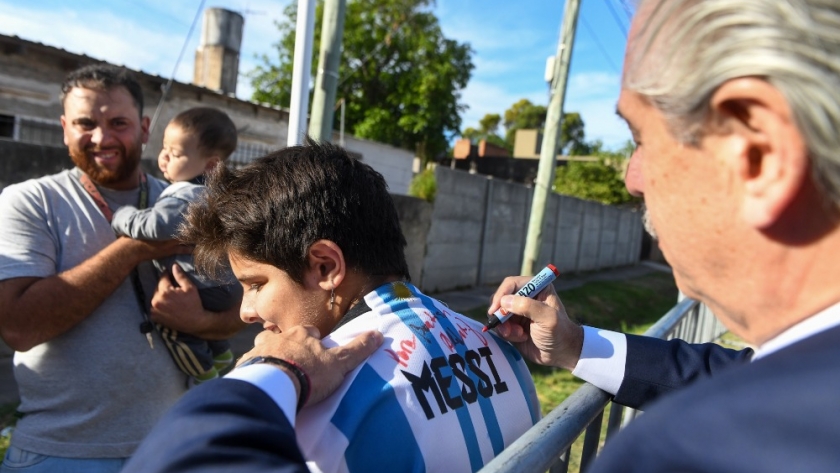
511	41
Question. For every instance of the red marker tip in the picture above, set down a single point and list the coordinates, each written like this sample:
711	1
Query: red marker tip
483	329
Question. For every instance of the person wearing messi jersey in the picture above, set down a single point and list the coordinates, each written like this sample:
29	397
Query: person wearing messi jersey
314	238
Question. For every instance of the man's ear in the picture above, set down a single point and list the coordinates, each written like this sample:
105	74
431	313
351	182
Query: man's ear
327	267
144	126
64	129
770	157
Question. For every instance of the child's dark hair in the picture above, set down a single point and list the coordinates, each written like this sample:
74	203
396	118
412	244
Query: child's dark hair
272	210
214	130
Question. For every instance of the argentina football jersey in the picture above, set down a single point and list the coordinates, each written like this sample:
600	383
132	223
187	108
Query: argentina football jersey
438	395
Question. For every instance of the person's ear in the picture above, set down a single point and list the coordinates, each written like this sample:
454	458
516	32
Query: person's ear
769	158
326	265
63	120
211	162
144	126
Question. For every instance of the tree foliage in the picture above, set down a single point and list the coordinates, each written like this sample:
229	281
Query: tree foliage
487	128
400	77
524	115
601	180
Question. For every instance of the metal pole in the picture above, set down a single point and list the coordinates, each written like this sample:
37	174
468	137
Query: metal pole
551	138
323	100
300	74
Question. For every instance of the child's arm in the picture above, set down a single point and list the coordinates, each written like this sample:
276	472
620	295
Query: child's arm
159	222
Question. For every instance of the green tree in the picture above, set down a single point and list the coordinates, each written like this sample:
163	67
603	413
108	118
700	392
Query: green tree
400	76
572	136
601	180
524	115
487	131
490	123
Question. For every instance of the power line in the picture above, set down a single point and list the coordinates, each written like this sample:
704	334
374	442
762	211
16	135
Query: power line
616	18
157	12
627	10
166	87
600	46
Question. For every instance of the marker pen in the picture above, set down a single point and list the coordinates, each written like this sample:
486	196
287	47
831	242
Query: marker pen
531	289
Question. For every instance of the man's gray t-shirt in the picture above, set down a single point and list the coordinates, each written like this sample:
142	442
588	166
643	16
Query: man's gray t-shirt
96	390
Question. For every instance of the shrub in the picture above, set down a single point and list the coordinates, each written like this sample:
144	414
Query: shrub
424	186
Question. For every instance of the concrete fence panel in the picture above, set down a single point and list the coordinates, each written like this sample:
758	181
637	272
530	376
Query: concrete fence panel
609	235
569	232
591	237
625	226
504	231
547	252
415	220
453	246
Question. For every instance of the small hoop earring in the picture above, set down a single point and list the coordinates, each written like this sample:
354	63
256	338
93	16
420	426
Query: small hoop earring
332	298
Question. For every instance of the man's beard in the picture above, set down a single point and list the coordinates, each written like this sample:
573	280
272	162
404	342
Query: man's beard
129	161
647	222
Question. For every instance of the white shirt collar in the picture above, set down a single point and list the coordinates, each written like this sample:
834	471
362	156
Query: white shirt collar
820	322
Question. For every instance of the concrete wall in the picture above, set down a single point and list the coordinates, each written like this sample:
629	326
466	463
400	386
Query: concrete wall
415	219
21	161
393	163
479	226
453	246
506	222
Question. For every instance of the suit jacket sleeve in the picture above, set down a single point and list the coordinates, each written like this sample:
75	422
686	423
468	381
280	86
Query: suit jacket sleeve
655	367
220	426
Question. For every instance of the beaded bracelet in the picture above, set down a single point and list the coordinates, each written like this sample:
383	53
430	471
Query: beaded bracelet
302	377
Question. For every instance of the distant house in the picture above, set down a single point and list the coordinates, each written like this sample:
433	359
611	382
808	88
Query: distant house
31	74
488	159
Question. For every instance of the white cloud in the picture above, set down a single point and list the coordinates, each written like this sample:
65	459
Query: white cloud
601	121
594	95
594	84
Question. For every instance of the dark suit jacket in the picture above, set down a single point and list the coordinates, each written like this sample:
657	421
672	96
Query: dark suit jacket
779	413
656	367
224	425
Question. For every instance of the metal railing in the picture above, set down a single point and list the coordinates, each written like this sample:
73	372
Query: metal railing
547	445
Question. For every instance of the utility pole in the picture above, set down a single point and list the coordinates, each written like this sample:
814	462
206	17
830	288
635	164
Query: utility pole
323	101
301	71
551	138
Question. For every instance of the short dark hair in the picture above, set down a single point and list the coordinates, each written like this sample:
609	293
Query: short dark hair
272	211
213	128
103	77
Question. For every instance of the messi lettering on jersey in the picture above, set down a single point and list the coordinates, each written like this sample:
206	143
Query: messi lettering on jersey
449	382
437	378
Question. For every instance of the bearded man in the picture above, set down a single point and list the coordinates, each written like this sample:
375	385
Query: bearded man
77	302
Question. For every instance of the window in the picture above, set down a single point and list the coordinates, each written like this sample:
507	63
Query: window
7	126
